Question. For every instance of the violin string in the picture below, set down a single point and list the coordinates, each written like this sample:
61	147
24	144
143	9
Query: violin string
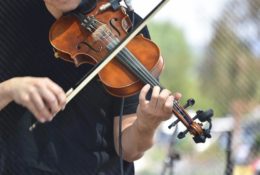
149	78
127	54
154	83
129	59
146	76
140	68
108	36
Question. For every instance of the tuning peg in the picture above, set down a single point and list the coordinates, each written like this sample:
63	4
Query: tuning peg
190	102
181	135
204	115
202	138
199	139
173	123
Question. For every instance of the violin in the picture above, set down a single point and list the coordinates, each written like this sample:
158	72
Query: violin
88	38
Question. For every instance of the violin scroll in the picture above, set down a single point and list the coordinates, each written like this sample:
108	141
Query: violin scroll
200	134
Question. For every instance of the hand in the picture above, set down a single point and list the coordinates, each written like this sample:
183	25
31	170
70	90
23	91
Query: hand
41	96
158	109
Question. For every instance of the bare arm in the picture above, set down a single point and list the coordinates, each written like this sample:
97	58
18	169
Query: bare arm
138	129
5	97
135	139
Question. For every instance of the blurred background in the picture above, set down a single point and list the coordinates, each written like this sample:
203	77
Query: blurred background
212	54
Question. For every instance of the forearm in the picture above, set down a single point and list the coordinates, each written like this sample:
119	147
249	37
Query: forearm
5	97
138	129
137	138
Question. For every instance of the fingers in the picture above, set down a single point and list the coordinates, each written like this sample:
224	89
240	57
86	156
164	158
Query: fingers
59	93
41	96
168	104
162	98
154	97
159	98
53	97
177	96
142	97
39	109
159	107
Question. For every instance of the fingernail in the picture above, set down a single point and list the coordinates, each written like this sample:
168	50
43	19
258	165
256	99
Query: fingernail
147	85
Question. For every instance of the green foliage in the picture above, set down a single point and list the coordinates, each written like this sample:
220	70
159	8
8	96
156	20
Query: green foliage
230	71
180	73
176	55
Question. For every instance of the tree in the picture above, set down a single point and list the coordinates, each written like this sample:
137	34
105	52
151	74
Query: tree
231	69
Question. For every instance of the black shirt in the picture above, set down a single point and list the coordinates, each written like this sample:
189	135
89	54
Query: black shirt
80	139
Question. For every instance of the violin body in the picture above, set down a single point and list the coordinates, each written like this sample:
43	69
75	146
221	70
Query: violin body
74	43
89	38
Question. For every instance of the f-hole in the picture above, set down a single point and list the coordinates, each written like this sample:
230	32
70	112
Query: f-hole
112	24
89	46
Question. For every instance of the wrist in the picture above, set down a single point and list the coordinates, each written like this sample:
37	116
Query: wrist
5	93
8	88
147	126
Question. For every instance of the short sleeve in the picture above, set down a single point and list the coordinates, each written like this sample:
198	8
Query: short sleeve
130	104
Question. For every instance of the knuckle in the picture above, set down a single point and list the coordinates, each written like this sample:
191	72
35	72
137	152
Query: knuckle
52	100
162	97
46	80
64	99
31	90
25	98
155	96
168	106
39	83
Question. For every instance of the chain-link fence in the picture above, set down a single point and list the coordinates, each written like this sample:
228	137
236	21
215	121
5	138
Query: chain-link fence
223	76
228	74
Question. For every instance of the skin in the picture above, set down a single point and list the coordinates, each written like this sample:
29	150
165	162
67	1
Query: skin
41	96
44	99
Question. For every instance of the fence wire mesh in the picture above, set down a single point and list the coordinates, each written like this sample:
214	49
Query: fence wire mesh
228	73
